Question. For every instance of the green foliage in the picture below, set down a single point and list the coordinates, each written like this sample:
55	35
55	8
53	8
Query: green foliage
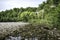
47	13
15	14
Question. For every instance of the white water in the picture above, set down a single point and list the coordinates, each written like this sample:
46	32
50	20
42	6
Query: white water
19	38
13	38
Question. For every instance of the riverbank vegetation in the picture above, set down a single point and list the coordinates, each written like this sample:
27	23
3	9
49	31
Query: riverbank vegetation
47	13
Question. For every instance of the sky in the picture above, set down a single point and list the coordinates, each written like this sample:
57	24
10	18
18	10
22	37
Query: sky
10	4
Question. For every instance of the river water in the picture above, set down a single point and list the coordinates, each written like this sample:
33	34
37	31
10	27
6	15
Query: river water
19	38
13	38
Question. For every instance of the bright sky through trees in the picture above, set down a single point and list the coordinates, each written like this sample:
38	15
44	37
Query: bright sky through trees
9	4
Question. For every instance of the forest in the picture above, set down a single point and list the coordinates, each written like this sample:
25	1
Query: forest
48	13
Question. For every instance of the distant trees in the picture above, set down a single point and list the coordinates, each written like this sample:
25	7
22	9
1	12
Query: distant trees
14	14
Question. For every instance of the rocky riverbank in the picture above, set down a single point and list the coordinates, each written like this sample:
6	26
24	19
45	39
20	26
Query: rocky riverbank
6	28
13	30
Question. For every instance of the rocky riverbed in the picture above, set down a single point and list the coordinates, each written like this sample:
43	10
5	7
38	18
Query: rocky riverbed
6	28
21	31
